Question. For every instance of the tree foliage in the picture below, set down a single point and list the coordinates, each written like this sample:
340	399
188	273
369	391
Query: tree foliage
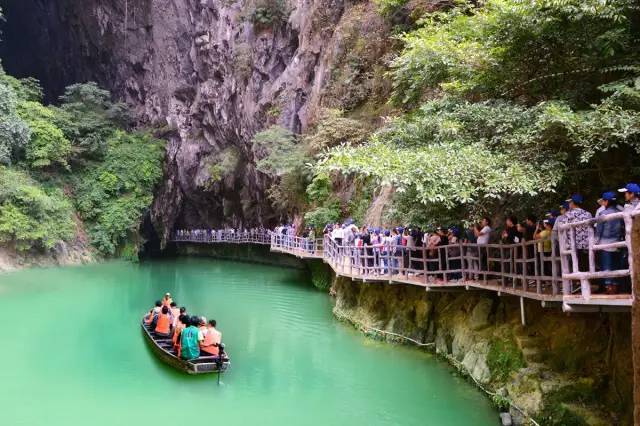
112	195
30	215
14	132
531	50
505	100
88	117
81	146
47	145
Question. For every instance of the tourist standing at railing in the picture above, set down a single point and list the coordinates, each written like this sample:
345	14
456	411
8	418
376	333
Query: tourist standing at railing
483	236
577	214
408	243
560	220
444	241
631	196
433	241
608	232
510	235
395	250
543	233
337	234
510	232
453	252
312	239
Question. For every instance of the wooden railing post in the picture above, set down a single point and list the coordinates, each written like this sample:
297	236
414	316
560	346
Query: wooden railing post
632	227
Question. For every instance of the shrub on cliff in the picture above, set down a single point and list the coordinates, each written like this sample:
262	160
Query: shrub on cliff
281	157
47	145
30	214
14	132
112	196
270	13
88	117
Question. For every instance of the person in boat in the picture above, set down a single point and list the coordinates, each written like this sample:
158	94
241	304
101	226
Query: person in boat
212	339
176	312
181	324
167	300
190	339
202	325
164	322
151	318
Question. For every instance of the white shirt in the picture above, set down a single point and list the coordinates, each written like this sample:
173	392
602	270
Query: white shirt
485	234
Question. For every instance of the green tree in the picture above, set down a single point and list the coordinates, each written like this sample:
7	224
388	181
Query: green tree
88	117
47	145
527	50
112	196
30	215
14	132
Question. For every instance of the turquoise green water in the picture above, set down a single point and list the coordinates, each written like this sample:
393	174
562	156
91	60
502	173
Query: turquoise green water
73	354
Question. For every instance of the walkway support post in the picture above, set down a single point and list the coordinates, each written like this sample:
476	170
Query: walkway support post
634	265
523	317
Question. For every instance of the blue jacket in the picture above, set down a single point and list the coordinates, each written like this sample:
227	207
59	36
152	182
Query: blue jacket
611	231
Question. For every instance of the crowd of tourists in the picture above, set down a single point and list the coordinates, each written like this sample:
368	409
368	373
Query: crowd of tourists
226	234
191	335
386	250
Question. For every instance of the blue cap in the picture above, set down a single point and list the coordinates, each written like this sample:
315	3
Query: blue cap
552	213
550	221
630	187
387	233
564	205
576	198
609	196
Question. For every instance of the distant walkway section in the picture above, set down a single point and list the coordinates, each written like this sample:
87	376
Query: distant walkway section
564	276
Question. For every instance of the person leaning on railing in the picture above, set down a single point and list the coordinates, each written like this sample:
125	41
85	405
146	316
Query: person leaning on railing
543	234
608	232
577	214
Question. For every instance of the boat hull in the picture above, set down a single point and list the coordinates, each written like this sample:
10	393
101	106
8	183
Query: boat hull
161	347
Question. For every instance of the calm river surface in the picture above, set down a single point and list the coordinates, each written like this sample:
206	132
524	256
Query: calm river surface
73	354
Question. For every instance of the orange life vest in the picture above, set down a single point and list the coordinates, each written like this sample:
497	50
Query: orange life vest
164	324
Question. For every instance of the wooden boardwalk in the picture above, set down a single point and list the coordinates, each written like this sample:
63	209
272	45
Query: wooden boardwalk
519	270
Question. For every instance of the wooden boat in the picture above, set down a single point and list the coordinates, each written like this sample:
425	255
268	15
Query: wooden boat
163	348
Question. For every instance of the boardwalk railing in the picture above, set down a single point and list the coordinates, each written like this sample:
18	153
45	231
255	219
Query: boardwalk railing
256	236
581	266
298	246
524	269
546	270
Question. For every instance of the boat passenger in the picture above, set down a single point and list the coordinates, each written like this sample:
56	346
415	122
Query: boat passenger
212	339
166	300
202	325
164	322
175	311
152	316
190	339
181	324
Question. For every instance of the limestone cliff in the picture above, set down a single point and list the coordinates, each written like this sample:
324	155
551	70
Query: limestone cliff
560	368
210	73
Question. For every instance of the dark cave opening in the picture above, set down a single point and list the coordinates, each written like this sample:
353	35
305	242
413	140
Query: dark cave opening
55	42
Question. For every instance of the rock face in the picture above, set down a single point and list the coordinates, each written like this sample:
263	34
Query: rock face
206	71
561	369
